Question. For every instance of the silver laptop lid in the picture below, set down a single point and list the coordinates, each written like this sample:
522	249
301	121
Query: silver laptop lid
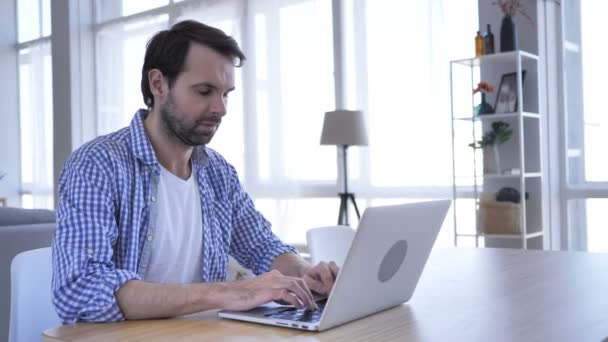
385	260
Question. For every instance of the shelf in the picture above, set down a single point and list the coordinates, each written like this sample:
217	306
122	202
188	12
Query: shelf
503	236
496	58
512	236
467	235
524	153
502	176
498	116
507	176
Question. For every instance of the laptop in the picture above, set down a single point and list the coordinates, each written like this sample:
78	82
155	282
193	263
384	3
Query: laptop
381	270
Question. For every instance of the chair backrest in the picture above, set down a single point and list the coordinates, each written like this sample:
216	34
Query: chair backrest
14	240
329	243
32	309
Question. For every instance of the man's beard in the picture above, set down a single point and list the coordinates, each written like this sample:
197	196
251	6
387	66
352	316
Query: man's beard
180	129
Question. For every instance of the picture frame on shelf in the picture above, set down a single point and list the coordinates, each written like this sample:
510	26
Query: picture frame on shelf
506	95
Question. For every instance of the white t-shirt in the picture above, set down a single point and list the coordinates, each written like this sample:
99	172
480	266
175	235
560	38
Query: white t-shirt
177	241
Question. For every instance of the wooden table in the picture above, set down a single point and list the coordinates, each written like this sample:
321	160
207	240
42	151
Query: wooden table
463	295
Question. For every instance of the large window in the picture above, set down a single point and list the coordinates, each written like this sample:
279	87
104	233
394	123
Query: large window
395	68
595	71
585	124
35	103
396	59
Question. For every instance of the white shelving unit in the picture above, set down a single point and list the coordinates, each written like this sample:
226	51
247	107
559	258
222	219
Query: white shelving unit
520	156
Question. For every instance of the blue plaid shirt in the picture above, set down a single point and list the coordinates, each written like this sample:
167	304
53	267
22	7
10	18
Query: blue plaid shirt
105	216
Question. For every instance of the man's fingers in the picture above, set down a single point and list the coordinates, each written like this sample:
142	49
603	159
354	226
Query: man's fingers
289	298
334	269
314	284
298	288
297	291
326	277
321	278
303	284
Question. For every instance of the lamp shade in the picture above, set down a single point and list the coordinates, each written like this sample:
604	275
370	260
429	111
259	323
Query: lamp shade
344	127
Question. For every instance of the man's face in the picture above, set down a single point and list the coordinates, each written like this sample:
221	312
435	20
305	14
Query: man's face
195	105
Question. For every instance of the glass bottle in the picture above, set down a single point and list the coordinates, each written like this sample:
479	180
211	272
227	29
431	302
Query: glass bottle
478	44
488	42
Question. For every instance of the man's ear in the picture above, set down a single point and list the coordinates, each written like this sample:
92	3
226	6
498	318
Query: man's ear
157	83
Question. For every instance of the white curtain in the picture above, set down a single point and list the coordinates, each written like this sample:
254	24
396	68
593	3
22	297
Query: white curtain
288	87
397	70
36	126
403	85
119	52
398	55
228	17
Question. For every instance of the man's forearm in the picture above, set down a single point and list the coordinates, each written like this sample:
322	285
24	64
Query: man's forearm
140	300
290	264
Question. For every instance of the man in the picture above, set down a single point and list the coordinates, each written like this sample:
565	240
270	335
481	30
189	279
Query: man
148	215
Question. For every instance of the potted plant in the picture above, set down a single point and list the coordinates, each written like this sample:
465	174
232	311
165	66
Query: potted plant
497	135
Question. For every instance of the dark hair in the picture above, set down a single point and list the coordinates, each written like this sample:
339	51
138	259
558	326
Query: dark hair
167	51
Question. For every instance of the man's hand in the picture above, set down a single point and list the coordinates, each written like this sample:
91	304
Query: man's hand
321	278
272	286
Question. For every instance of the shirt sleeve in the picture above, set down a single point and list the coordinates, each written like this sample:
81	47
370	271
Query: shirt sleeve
84	276
253	244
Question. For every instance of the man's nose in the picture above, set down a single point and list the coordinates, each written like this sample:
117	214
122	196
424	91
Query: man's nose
219	105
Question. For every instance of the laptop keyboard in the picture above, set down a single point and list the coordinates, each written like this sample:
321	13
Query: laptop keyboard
300	315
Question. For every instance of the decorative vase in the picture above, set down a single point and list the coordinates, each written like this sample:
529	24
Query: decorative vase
508	34
484	107
491	160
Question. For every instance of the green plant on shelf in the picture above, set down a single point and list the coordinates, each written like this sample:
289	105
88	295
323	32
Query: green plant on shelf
499	133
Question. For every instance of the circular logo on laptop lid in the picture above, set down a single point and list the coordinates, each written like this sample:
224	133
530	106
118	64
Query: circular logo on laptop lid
392	261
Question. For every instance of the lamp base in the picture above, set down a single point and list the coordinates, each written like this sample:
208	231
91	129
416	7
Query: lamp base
343	214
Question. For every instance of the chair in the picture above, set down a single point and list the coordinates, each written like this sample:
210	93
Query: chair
20	230
329	243
32	310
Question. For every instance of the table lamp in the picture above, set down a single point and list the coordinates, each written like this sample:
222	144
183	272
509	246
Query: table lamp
344	128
